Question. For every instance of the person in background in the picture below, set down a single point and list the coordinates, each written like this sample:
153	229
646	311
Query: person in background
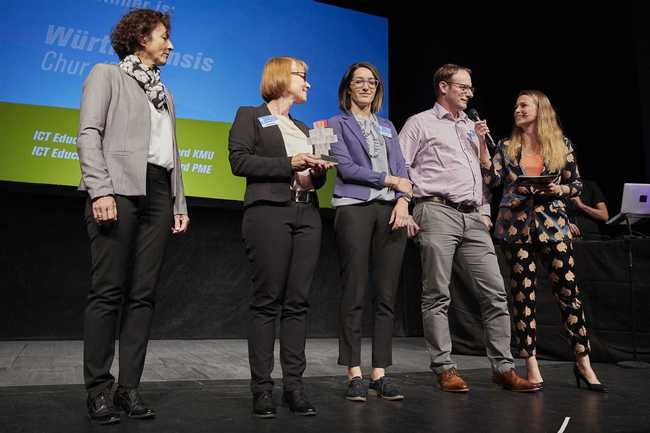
587	212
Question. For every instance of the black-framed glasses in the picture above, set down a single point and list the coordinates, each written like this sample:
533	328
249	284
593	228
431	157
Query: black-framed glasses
302	75
463	87
359	82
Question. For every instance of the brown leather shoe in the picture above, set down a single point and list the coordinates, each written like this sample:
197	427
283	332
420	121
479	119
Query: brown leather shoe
512	382
450	381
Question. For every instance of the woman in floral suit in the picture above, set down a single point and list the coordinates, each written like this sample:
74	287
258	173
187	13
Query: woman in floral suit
533	220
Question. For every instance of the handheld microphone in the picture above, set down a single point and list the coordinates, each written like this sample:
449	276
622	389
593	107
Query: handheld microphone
473	114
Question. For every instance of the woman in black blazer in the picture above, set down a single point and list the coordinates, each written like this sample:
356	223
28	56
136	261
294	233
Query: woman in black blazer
281	228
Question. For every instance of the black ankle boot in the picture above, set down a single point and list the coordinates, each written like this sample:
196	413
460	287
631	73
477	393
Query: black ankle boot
101	409
129	400
263	406
298	402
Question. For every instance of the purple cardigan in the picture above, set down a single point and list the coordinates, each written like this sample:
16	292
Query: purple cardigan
354	174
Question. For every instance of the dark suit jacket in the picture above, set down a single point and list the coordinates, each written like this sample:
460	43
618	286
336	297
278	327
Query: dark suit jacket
520	208
259	154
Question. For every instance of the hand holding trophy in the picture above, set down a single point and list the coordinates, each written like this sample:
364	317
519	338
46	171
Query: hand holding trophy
321	138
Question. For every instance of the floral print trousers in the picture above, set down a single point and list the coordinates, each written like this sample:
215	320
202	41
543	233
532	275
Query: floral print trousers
559	256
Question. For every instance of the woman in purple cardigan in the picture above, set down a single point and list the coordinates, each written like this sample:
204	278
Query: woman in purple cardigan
371	197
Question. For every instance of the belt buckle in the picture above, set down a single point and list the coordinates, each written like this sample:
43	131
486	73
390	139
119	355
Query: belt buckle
452	204
465	208
301	196
460	207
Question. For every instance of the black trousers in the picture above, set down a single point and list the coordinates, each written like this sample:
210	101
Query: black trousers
127	256
283	244
363	235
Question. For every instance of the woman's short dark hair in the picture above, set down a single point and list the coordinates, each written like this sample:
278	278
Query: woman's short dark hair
134	27
345	100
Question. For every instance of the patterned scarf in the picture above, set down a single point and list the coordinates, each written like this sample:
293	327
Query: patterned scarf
147	78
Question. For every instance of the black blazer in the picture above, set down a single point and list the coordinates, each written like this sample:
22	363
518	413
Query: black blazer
259	155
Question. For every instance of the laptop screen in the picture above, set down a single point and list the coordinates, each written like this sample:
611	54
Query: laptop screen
635	199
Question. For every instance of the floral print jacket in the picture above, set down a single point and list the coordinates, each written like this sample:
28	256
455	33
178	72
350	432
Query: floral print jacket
526	217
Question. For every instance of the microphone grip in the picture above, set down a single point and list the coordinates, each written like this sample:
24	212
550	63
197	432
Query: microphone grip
492	145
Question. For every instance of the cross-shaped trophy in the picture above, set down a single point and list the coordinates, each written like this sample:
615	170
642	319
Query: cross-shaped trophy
320	138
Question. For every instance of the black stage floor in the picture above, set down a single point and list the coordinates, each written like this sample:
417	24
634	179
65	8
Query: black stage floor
224	406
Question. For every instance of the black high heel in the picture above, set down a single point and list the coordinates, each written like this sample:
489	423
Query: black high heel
597	387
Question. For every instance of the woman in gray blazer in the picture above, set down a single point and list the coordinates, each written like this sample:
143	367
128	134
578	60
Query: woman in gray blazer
131	171
281	228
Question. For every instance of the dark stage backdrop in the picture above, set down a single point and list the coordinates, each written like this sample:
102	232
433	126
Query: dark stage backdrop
643	73
205	284
203	291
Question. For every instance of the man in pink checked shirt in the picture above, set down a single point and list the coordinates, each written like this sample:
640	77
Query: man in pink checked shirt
441	147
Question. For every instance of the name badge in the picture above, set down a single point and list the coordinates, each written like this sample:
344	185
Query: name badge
269	120
385	131
471	134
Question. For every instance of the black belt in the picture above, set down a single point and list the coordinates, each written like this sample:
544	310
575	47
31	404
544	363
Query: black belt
155	167
157	172
303	196
460	207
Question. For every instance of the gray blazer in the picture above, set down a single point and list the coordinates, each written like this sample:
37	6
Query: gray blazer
114	134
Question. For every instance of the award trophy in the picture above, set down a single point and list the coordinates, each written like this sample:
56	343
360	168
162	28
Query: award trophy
320	138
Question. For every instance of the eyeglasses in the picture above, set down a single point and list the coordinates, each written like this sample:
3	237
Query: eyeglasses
359	82
302	75
463	87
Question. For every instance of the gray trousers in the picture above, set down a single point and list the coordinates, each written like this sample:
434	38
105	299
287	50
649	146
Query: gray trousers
449	237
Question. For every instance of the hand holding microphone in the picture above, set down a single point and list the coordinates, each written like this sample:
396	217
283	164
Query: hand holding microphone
482	129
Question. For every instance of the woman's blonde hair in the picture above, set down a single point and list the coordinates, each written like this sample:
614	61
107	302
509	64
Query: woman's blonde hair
549	133
276	76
